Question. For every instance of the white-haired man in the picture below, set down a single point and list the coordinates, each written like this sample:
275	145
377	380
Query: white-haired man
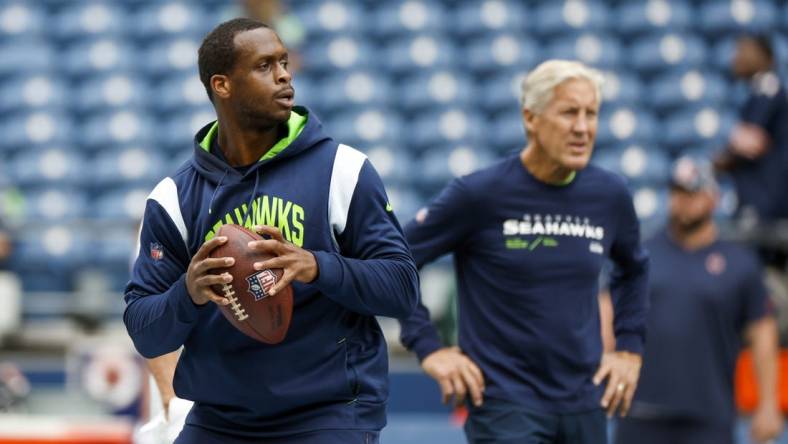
529	237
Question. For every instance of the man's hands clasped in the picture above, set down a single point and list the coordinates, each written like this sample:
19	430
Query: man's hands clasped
297	265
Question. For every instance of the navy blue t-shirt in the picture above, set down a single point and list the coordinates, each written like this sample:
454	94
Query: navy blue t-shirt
701	301
528	256
760	183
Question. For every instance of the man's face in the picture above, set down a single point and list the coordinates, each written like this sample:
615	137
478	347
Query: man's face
565	130
748	59
689	210
260	81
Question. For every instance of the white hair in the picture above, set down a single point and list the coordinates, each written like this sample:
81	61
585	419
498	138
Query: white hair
536	89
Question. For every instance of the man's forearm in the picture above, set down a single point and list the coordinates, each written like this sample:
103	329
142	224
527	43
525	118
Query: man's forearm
606	321
163	370
763	339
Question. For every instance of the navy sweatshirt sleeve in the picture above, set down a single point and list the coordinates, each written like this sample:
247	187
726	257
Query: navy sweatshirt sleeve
629	280
373	273
439	229
761	108
159	312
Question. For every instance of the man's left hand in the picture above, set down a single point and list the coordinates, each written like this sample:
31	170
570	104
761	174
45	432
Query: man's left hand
767	424
622	370
296	263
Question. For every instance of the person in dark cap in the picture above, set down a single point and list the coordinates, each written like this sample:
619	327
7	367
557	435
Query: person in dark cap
706	294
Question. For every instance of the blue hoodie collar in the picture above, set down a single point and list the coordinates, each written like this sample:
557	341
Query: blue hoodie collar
304	132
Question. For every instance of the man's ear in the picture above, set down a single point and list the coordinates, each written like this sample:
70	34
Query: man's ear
220	84
529	120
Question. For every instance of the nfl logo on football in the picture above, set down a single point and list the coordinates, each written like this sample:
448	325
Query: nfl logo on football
260	283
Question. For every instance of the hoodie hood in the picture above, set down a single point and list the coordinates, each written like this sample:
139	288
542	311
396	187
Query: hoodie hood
304	132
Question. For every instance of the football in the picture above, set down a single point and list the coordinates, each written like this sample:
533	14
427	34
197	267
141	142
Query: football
251	309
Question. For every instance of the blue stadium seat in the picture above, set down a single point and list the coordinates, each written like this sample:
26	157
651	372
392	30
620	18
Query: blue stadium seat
108	131
504	92
353	89
38	128
445	126
651	206
433	88
697	128
784	20
717	16
82	20
176	133
595	49
18	19
48	167
780	43
48	256
180	92
111	91
440	165
683	88
130	166
168	56
505	132
33	91
570	16
660	52
343	53
625	125
721	53
181	157
365	128
418	52
652	16
25	56
395	165
309	92
98	55
171	18
621	88
479	18
639	164
54	204
332	17
114	250
121	205
492	52
398	18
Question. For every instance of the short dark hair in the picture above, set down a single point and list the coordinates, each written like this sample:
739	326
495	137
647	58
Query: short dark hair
217	51
763	42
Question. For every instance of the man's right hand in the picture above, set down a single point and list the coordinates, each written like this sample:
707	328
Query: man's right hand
198	277
749	141
456	375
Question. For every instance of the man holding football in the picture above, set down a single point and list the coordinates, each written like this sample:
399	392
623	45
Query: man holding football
268	165
527	264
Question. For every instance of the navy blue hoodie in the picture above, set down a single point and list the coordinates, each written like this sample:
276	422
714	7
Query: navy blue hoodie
331	370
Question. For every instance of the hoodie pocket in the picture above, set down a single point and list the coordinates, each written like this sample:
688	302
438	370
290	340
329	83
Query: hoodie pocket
351	373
